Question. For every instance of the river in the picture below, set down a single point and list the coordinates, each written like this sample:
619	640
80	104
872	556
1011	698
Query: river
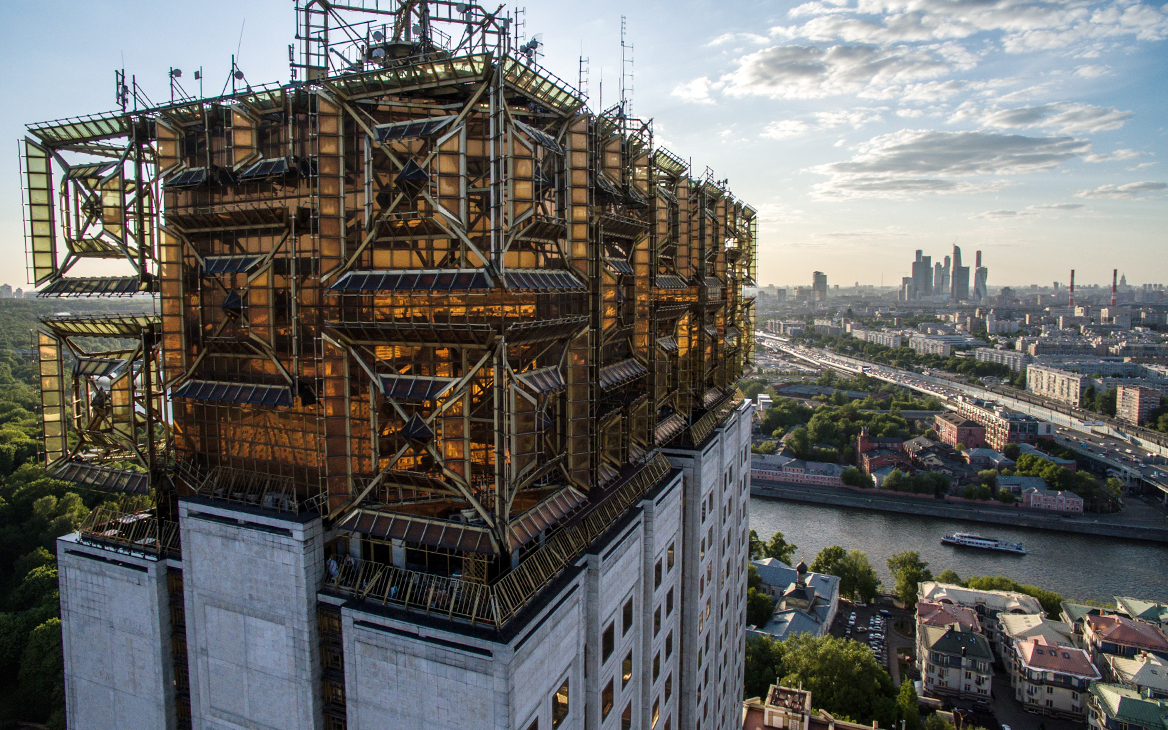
1076	566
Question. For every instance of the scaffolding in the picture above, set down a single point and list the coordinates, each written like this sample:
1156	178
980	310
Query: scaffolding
422	290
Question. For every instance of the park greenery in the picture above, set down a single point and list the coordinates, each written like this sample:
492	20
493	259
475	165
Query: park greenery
858	579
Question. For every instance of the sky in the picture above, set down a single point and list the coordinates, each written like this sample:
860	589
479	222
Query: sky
861	130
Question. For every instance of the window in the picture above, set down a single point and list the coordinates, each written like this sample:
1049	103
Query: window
669	557
669	603
560	705
657	621
703	546
1050	690
656	712
627	717
627	617
669	723
534	724
607	643
657	575
626	670
606	700
669	686
656	666
669	645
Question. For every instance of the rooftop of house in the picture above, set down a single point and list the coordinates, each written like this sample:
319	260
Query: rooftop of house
1000	601
955	642
1043	492
1044	655
784	624
1143	610
1031	626
943	614
1125	631
1021	484
918	444
959	420
1127	705
995	456
1075	612
778	574
769	461
1142	670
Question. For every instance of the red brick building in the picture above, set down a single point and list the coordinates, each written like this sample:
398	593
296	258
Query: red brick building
953	429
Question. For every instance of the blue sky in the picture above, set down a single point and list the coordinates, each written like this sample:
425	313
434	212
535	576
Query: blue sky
861	129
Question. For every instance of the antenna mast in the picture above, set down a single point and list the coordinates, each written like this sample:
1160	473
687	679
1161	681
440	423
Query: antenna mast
582	76
626	80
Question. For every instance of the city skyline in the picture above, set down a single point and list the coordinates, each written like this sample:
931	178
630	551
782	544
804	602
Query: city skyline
1025	129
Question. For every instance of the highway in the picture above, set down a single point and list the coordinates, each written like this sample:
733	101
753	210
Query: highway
1116	450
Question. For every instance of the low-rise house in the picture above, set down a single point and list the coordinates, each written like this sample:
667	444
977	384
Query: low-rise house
1145	673
955	662
1115	707
784	707
987	459
989	605
1149	612
782	468
1122	636
945	616
1051	678
953	429
1018	485
805	602
1050	499
877	459
1069	464
1074	614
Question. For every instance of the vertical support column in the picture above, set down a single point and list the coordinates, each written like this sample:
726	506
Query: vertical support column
53	418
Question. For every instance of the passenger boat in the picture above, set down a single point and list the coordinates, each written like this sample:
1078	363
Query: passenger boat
972	539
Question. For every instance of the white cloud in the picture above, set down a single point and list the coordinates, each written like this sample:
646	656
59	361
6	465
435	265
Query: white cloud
808	72
696	91
1057	206
786	129
910	113
998	214
1117	155
1128	191
854	118
1092	72
913	162
1063	116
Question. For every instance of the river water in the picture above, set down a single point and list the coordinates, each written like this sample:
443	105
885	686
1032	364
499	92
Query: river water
1076	566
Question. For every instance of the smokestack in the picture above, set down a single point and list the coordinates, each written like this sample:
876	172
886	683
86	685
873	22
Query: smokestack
1114	272
1072	295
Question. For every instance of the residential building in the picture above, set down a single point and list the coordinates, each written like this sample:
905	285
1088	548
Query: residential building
1075	614
1004	426
1068	382
1115	707
989	605
880	337
987	459
1017	361
1145	673
819	286
1053	500
1020	627
782	468
1053	679
805	603
941	345
1122	636
955	662
954	429
790	709
1150	612
1017	485
1069	464
1134	402
399	461
943	615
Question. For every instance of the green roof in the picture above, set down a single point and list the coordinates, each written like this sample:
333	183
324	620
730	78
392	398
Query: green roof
1143	610
1076	611
1127	705
949	641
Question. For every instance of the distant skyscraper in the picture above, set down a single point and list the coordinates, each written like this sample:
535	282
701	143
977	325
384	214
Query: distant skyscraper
938	278
959	286
945	273
980	274
819	286
922	275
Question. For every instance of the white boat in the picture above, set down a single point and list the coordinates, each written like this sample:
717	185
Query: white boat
972	539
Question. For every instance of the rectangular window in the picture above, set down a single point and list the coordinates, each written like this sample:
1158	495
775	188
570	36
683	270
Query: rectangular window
669	603
607	643
669	557
669	686
657	621
627	717
669	645
657	575
626	670
656	712
560	705
669	723
606	700
656	666
627	617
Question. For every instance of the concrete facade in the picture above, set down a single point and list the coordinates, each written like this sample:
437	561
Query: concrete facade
250	579
115	631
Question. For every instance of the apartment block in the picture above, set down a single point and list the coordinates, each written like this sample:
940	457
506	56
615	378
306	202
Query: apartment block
435	424
1053	679
955	662
990	606
1135	403
953	429
1003	426
1017	361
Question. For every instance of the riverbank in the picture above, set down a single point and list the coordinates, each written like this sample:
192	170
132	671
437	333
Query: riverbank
1103	525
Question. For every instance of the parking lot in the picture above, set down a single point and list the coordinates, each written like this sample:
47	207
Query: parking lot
867	625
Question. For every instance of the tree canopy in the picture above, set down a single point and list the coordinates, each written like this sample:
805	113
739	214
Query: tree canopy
858	578
909	570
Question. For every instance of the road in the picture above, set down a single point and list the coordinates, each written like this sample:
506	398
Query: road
1130	458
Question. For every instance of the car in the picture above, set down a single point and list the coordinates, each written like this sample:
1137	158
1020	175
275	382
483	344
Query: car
885	612
857	604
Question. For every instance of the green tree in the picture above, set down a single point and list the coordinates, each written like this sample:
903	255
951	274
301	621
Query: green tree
755	546
759	607
764	665
936	722
799	443
842	676
894	480
753	579
1011	452
909	570
949	576
41	680
1005	496
858	578
1051	601
828	560
908	705
1108	402
853	477
779	549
